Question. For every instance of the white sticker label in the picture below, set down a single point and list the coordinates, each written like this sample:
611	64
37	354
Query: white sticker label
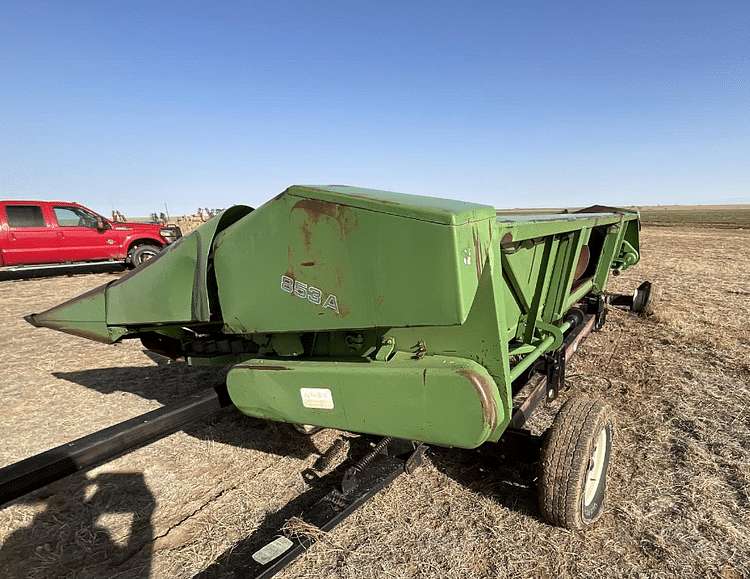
272	550
317	398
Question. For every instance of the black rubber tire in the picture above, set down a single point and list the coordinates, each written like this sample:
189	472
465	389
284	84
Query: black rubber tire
142	254
573	469
642	300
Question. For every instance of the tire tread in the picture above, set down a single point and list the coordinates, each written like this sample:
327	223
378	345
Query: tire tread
564	461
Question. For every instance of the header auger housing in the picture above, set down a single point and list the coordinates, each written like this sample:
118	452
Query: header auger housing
383	313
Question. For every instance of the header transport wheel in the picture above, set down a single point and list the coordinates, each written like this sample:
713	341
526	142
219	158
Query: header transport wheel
574	461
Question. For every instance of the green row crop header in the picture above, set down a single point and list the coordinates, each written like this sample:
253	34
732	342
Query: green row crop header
366	310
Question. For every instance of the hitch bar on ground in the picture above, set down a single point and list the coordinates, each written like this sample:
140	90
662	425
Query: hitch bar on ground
35	472
259	558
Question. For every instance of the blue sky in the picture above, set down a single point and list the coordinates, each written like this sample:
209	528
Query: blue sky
140	104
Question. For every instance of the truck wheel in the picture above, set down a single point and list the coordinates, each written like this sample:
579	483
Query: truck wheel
574	461
142	254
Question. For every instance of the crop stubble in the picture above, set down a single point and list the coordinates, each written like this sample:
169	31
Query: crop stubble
679	497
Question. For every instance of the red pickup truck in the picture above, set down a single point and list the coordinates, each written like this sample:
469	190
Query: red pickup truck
40	232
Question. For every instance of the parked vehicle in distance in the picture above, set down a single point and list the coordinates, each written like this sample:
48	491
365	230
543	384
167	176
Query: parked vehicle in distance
54	232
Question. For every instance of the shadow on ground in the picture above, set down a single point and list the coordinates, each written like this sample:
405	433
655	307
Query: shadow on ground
173	382
71	536
31	272
510	481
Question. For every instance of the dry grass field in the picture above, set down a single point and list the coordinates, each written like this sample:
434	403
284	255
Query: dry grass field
712	216
679	494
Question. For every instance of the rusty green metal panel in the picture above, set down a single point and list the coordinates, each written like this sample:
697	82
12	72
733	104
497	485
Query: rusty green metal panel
334	261
482	338
440	400
432	209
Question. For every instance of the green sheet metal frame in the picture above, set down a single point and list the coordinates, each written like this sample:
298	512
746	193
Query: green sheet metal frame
403	276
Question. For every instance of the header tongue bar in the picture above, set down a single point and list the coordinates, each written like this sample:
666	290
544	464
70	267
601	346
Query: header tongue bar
35	472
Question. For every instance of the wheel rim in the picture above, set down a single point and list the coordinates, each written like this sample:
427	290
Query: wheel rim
146	255
596	467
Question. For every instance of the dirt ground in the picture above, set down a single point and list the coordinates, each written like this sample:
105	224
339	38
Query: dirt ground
679	487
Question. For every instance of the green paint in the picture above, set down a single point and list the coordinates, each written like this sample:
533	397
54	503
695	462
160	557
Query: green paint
432	399
382	302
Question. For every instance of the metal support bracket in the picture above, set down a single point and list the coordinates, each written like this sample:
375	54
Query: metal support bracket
555	363
386	349
597	307
519	445
415	460
548	375
402	449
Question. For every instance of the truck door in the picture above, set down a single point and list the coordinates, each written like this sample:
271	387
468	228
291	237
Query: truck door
82	239
28	238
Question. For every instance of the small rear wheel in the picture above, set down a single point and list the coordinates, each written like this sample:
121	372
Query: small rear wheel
142	254
642	299
574	461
